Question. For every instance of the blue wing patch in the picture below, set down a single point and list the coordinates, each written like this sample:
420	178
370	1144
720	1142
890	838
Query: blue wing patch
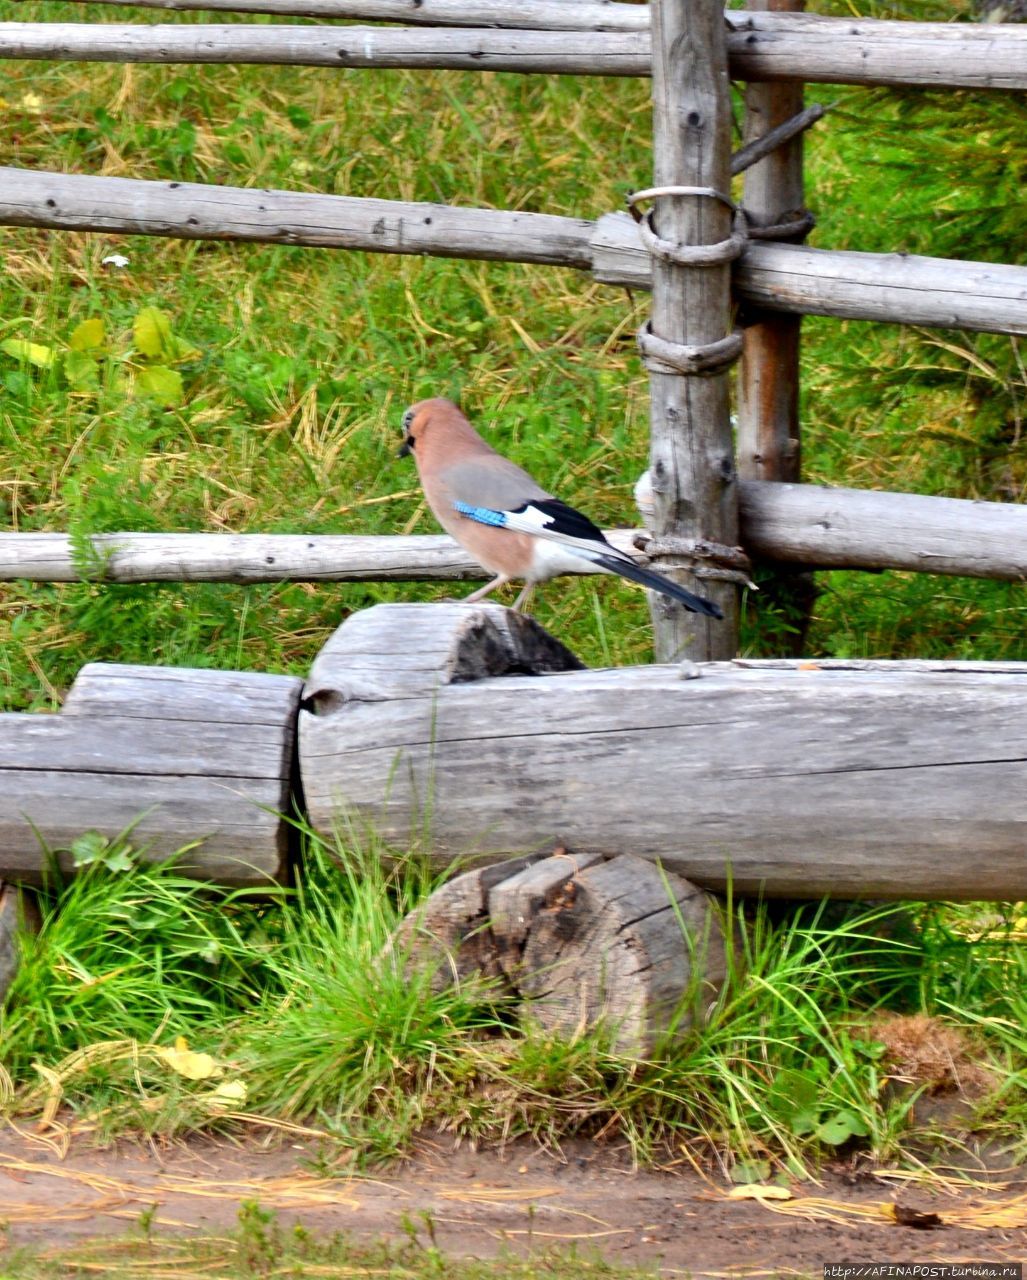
483	515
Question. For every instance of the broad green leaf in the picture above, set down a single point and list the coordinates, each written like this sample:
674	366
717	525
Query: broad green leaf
88	848
151	331
88	336
82	370
840	1127
119	860
32	352
803	1121
162	384
856	1124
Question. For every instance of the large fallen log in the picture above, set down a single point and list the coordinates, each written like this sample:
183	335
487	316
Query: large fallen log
795	779
174	758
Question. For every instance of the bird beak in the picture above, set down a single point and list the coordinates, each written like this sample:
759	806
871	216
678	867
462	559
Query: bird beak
405	451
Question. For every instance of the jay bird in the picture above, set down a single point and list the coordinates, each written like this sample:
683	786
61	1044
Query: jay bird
512	526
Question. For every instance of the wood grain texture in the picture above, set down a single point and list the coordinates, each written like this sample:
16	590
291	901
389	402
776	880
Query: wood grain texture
767	437
691	453
181	757
797	780
767	434
761	46
244	557
887	287
623	945
192	210
411	650
525	15
897	288
862	528
611	53
794	524
789	46
581	943
451	932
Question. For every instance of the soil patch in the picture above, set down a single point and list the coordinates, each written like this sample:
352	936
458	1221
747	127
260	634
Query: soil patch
482	1203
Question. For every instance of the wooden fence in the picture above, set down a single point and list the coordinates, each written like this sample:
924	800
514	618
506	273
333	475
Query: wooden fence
712	495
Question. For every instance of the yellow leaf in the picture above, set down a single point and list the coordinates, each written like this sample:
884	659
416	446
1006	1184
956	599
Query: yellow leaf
757	1191
162	384
228	1095
152	332
88	335
34	352
194	1066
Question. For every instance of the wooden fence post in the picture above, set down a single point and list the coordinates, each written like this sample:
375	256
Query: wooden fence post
768	439
691	457
768	383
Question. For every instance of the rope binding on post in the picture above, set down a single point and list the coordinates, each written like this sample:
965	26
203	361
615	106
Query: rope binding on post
658	354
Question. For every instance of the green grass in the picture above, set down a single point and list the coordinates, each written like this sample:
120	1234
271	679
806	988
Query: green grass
307	357
306	1017
289	423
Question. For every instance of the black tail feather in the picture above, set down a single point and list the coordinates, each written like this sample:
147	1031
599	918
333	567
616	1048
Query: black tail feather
657	582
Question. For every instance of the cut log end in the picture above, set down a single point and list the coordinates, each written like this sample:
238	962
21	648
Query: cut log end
583	944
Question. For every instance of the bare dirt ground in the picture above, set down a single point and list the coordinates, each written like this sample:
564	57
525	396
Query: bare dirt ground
483	1203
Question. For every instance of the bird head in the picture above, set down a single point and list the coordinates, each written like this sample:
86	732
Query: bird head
428	417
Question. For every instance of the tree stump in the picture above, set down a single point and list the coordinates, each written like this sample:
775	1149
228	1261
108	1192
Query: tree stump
581	942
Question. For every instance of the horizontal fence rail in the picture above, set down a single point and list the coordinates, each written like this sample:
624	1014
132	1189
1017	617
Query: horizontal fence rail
531	52
524	15
864	529
790	523
761	46
242	557
885	287
847	284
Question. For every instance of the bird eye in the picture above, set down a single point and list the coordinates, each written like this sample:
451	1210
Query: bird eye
408	418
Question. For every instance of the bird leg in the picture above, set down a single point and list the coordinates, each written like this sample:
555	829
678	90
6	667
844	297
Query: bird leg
524	597
499	581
